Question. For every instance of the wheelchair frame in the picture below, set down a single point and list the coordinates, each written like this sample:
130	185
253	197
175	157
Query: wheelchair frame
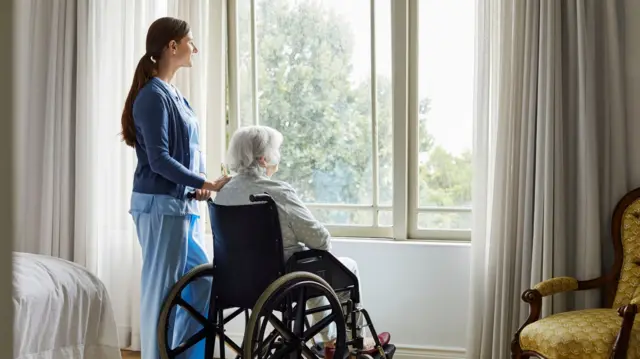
307	274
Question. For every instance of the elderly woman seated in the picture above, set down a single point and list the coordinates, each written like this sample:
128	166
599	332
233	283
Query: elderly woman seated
254	154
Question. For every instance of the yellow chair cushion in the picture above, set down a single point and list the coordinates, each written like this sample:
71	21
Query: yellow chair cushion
587	334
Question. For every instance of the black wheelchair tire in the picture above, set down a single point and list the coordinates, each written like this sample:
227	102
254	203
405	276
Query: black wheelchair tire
197	272
271	291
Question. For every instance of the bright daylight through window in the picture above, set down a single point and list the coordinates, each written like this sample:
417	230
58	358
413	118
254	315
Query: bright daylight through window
320	71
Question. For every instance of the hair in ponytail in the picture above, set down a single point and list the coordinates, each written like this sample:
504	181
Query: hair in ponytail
160	33
144	72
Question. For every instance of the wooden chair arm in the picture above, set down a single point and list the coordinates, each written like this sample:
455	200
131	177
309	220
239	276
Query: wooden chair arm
534	298
628	314
558	285
594	283
552	286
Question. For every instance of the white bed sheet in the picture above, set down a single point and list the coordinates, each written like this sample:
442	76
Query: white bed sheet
61	311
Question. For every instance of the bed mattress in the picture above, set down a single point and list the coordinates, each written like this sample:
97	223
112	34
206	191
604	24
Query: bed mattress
61	311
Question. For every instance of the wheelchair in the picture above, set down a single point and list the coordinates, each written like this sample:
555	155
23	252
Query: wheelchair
250	276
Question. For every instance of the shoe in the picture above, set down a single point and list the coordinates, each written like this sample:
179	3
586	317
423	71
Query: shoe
384	339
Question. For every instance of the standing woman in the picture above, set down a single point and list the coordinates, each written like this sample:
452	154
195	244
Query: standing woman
159	123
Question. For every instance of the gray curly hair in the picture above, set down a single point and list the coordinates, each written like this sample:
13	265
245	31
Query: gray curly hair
250	143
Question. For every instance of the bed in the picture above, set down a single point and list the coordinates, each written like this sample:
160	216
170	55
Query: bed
61	311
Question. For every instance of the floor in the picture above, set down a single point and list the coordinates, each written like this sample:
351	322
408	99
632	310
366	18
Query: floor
130	355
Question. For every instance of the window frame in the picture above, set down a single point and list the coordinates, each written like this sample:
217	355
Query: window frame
404	68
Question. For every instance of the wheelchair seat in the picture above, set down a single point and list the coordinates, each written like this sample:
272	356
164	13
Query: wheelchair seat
249	274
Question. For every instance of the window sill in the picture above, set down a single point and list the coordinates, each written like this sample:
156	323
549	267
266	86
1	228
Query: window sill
408	242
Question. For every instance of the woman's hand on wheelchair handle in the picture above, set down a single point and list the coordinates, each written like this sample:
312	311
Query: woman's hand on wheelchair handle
216	185
202	194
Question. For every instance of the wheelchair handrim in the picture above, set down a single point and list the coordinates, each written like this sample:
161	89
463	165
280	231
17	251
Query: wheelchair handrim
275	293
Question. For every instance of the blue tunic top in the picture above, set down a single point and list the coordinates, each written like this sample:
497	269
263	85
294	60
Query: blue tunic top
167	145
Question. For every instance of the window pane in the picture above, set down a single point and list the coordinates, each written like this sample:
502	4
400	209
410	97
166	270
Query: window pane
342	217
245	78
384	101
445	95
444	220
385	218
314	74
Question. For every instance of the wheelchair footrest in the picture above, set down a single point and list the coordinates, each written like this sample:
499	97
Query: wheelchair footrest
389	351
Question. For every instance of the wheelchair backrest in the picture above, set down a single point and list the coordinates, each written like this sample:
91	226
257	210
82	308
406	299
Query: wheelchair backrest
248	253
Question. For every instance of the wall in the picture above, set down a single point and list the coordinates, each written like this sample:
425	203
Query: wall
418	291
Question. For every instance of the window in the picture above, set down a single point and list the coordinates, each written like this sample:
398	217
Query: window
320	71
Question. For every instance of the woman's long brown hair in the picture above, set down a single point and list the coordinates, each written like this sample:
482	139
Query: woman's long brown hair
160	33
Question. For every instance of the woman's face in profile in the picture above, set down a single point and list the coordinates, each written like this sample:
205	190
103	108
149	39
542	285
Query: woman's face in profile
185	50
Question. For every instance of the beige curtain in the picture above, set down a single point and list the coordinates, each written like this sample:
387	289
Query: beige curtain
550	156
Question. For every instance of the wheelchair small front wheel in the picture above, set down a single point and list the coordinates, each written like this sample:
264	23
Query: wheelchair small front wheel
291	337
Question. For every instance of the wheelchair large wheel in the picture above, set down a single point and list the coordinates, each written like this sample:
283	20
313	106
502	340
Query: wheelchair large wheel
289	339
173	300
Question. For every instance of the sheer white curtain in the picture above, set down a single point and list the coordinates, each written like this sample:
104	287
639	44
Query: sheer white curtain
76	62
44	136
550	156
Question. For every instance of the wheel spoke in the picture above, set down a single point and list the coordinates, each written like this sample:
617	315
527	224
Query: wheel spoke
231	316
286	349
194	313
260	346
316	328
189	343
308	353
231	343
298	329
263	327
267	343
282	329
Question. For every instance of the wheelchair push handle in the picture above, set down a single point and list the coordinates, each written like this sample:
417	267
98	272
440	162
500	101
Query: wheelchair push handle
192	195
262	197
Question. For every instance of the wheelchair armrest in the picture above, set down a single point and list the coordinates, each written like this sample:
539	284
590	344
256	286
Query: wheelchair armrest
309	253
328	267
305	257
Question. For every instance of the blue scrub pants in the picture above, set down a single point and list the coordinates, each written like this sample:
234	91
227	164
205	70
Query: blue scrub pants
172	244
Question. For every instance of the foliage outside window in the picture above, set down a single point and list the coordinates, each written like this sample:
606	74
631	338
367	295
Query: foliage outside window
312	61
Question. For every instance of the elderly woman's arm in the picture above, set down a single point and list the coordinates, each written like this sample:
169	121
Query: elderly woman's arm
307	229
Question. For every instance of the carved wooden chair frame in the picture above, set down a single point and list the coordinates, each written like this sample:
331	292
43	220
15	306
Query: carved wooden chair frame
609	282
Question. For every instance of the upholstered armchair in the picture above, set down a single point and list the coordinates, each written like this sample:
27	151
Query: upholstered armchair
604	333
